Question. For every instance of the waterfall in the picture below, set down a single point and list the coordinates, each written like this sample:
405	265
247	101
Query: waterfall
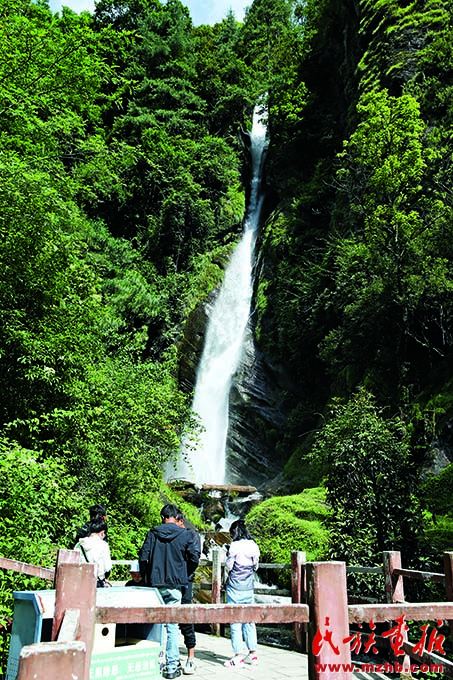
224	339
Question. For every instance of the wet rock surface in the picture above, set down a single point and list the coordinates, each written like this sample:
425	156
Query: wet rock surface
192	342
256	418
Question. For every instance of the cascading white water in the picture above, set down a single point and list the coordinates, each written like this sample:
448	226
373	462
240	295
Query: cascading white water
224	339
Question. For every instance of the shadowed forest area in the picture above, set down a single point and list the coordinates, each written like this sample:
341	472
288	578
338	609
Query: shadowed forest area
124	171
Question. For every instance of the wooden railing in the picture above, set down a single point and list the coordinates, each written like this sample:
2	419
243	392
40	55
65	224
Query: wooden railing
217	564
319	603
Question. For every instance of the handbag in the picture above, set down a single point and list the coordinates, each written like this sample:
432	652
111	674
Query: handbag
103	583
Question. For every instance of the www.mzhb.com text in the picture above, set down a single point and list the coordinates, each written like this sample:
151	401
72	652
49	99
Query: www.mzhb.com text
379	668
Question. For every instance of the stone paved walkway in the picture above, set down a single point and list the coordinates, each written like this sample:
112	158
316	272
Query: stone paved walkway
274	663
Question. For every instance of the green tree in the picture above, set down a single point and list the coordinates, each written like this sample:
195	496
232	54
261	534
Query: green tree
48	293
393	254
126	422
223	79
265	22
370	481
40	509
123	15
50	74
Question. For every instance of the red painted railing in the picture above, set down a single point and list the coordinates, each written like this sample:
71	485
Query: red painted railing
325	614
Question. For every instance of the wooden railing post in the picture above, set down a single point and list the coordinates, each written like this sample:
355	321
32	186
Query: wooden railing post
52	661
216	584
75	588
394	589
448	566
394	592
329	621
299	595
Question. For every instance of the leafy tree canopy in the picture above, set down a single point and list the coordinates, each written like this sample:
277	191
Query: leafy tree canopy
370	482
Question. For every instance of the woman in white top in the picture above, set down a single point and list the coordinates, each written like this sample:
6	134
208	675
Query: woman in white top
241	564
93	548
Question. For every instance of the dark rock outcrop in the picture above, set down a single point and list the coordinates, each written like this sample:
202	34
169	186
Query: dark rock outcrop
213	510
191	345
256	418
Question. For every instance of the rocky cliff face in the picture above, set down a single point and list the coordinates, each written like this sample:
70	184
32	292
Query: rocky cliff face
191	345
256	419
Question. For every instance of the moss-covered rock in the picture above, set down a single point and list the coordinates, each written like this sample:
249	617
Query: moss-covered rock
437	492
439	534
283	524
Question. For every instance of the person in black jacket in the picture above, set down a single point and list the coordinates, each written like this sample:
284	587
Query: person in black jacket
188	629
167	556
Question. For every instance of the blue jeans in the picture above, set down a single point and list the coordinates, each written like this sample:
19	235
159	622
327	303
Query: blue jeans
241	632
171	596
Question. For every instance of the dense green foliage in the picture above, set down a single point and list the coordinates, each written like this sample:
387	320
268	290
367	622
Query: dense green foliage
370	485
120	185
122	175
437	492
355	288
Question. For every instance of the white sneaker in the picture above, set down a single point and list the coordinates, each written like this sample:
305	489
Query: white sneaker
190	667
236	662
251	659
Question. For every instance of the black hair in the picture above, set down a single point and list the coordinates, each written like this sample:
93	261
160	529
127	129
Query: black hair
238	531
97	511
96	526
170	510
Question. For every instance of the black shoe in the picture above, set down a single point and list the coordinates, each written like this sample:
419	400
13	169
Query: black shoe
174	674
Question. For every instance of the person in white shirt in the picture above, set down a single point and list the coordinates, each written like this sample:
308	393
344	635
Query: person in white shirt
93	548
241	563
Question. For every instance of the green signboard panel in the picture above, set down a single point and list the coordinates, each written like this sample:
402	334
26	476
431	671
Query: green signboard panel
135	662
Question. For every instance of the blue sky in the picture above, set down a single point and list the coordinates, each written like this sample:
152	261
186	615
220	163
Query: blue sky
201	11
212	11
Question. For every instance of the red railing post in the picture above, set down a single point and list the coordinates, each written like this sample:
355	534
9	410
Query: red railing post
216	584
299	595
329	621
66	557
448	566
394	590
75	588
